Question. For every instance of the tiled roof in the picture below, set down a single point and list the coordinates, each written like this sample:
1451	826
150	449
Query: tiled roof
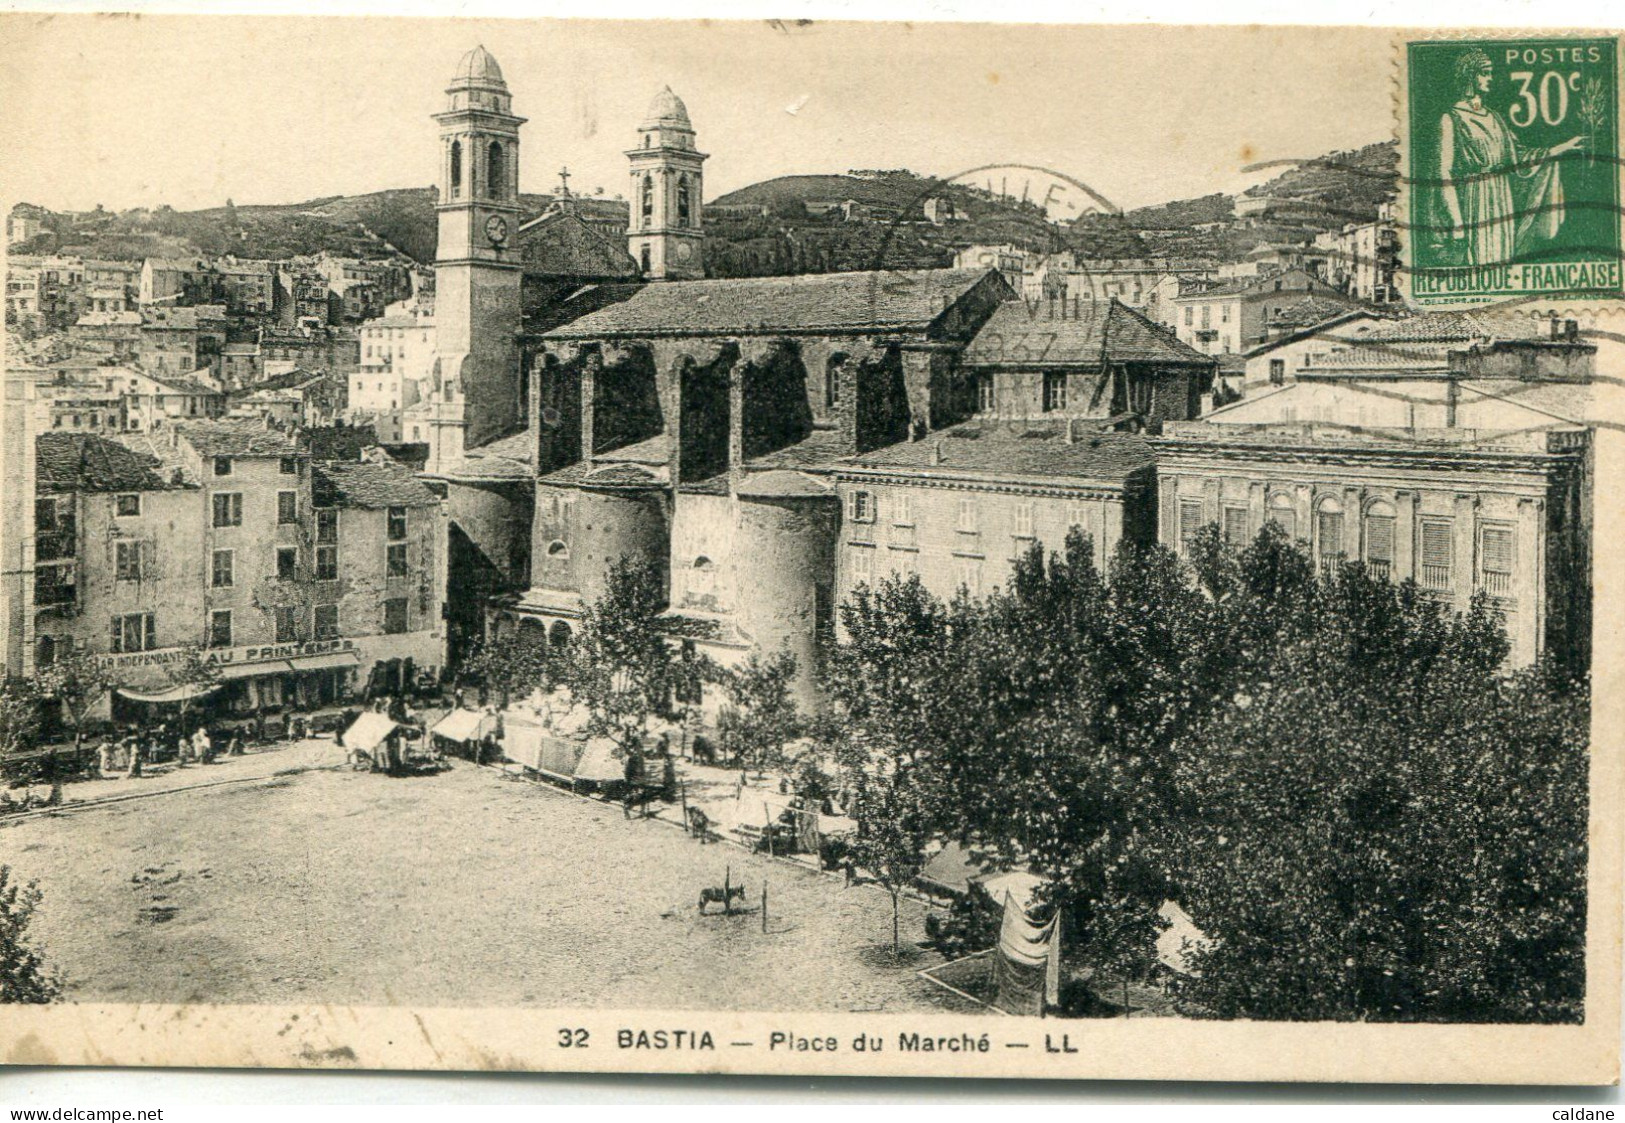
560	244
236	438
338	442
1459	327
1239	285
369	485
781	485
508	458
1074	333
1309	311
997	452
83	462
882	299
184	386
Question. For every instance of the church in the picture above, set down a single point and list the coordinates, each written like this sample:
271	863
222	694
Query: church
769	443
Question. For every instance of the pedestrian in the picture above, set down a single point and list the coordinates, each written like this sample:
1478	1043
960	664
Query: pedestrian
202	746
259	725
236	746
104	760
133	769
457	698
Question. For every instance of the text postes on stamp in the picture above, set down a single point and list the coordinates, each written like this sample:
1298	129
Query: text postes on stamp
1510	172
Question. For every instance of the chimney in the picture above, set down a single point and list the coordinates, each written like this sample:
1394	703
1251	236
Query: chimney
936	451
1071	437
1556	329
1571	331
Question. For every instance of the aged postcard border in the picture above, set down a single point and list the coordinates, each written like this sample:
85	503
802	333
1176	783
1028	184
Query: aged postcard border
505	1039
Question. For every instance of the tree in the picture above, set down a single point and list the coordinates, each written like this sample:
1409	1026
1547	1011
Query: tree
760	718
24	975
78	680
191	672
895	826
513	664
621	667
19	715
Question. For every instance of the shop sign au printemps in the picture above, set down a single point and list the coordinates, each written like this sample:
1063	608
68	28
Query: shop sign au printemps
225	656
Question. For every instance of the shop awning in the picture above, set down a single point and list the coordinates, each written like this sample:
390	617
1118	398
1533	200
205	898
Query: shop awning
368	731
462	725
171	694
326	661
254	670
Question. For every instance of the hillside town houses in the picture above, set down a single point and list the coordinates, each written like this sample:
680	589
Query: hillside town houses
336	478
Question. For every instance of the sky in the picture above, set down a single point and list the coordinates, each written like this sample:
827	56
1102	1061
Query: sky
142	110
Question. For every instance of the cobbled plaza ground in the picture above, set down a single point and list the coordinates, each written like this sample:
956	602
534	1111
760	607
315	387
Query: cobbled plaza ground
466	888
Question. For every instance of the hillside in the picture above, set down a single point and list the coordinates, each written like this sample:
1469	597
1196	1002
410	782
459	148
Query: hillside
791	224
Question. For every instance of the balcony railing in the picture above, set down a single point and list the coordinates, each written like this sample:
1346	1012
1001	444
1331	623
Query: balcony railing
1380	568
1435	576
1496	583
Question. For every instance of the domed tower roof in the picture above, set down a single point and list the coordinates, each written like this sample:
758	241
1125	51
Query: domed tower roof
478	68
667	111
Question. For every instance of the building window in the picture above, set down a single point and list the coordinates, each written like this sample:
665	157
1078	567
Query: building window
228	508
832	381
970	575
456	168
287	624
969	516
397	523
45	649
644	259
1277	372
1329	535
1379	540
860	507
220	628
1495	543
222	465
1438	552
127	506
288	466
327	563
221	570
135	631
127	561
682	201
902	508
496	172
647	203
557	549
396	560
1190	521
395	616
287	563
1054	392
1283	515
327	525
985	400
1189	313
863	565
327	621
1235	525
1024	519
287	507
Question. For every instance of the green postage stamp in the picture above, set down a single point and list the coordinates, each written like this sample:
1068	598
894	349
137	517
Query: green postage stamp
1510	174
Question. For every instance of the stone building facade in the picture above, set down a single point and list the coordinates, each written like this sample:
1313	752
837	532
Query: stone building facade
1460	512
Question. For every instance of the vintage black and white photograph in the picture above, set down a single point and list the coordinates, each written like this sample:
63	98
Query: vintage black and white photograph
967	549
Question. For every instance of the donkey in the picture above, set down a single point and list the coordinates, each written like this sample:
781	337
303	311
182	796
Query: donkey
724	896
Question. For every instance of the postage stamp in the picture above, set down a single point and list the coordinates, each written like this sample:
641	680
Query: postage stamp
1510	179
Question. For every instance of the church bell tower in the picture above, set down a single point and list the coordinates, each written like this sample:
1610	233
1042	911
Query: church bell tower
477	268
664	232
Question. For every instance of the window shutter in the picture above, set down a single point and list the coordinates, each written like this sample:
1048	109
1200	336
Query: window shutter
152	632
1235	525
1379	537
1331	534
1190	521
1498	549
1436	544
118	635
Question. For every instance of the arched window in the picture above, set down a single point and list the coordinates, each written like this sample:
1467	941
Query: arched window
832	380
456	168
643	259
682	201
496	171
1329	534
647	205
1379	539
559	635
557	549
1283	514
702	579
45	651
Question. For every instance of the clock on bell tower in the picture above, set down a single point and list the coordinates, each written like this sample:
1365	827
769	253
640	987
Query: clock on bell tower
477	268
